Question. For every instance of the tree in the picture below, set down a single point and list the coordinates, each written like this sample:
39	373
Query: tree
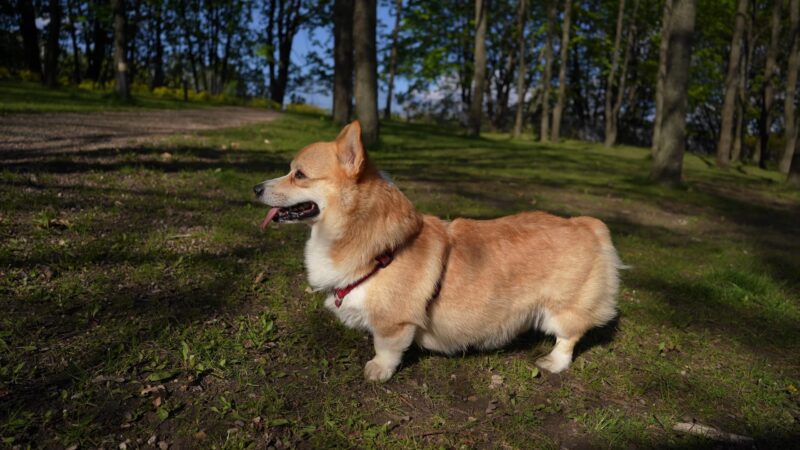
120	48
548	71
73	28
611	122
479	69
98	10
30	37
668	161
521	68
661	76
789	121
366	64
768	90
613	107
731	86
53	47
562	72
342	60
158	52
284	18
398	10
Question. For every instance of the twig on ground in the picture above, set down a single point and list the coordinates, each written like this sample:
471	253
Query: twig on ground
711	433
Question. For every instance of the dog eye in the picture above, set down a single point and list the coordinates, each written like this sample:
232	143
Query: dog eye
299	175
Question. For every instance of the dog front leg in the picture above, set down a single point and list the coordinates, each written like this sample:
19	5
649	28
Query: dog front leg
390	343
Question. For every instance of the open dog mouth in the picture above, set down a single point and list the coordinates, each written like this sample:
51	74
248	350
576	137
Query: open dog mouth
300	211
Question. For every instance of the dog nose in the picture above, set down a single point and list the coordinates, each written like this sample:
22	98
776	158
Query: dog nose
258	189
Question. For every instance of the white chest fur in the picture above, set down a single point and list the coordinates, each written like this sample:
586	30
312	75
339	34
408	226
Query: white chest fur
323	275
353	310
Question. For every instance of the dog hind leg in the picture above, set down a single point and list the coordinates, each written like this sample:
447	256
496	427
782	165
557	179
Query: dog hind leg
560	357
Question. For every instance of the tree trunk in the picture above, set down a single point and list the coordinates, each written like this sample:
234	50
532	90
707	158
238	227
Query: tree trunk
789	123
794	171
387	112
100	39
192	59
612	132
120	48
521	68
562	72
30	37
544	130
502	83
611	123
479	69
131	35
768	94
76	60
668	162
366	88
730	88
53	46
342	61
158	54
283	21
662	74
737	152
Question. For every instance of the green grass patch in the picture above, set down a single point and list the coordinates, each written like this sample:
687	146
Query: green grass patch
32	97
140	299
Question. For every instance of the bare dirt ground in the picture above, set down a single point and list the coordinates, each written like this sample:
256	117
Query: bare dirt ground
64	132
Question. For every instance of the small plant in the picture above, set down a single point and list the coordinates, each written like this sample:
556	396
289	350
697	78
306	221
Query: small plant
225	406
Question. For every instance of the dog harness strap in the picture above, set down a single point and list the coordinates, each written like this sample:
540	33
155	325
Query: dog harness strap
384	259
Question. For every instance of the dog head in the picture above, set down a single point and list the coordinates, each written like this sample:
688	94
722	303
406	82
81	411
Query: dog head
319	179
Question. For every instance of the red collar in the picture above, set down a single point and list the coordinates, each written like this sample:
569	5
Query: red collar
383	260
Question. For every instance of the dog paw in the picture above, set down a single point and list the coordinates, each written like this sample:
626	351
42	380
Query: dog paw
553	363
375	371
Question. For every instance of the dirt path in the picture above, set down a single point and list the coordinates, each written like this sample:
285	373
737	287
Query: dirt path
65	132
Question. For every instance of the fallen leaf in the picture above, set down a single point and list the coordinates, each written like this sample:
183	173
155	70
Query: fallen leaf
497	381
163	445
152	440
157	402
200	435
150	389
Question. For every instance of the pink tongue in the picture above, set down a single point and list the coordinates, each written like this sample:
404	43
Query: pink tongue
268	219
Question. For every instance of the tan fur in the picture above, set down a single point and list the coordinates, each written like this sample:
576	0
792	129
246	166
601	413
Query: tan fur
498	277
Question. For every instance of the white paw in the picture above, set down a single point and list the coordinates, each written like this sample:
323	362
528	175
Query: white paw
554	362
376	371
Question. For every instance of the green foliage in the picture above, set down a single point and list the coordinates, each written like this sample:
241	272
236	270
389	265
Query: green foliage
303	108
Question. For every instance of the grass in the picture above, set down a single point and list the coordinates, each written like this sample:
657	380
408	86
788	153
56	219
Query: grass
140	299
32	97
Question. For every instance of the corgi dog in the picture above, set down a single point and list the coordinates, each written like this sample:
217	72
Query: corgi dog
406	277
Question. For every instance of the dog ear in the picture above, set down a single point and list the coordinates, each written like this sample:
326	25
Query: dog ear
351	152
